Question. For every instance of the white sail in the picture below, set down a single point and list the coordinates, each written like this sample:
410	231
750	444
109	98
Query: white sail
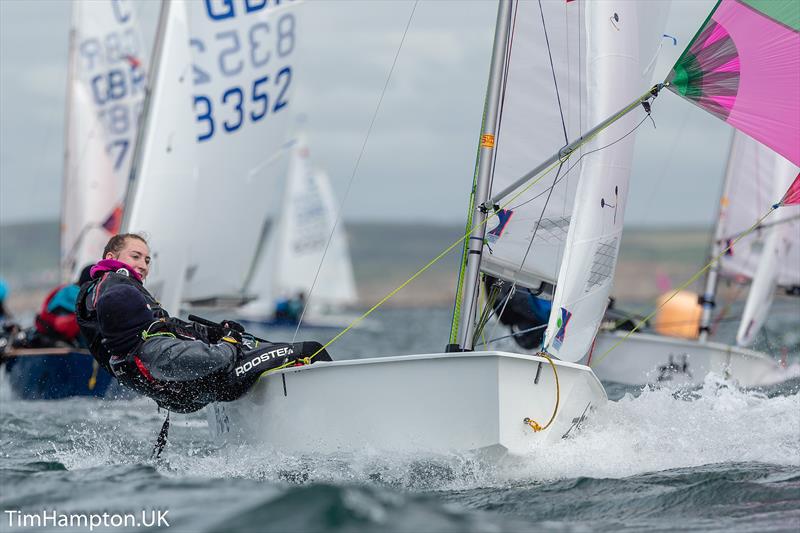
105	91
243	75
530	130
753	171
617	55
160	202
298	241
336	286
780	248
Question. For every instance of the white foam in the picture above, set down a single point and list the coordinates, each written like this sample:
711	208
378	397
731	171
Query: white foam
658	430
663	429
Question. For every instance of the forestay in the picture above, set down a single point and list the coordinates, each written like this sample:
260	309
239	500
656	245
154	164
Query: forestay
621	38
160	201
105	91
300	238
243	76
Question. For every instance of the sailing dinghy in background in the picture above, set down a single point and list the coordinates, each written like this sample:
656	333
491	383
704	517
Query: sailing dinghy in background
742	66
212	153
768	257
467	400
305	232
105	93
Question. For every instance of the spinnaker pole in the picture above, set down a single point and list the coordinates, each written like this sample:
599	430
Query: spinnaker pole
564	153
486	153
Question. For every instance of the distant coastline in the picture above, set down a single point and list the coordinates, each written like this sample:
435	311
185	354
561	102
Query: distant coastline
384	255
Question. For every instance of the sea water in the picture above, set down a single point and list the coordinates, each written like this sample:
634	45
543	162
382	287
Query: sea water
707	458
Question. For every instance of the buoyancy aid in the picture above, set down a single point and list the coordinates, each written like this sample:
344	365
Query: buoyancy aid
59	321
105	274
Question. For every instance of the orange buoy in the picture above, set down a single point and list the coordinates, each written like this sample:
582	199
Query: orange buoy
680	316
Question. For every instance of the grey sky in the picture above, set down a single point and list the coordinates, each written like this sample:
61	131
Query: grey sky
419	159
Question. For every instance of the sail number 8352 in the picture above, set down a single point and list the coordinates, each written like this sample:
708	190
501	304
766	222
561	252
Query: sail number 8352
236	105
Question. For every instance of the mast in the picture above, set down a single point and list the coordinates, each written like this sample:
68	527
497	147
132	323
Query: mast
708	299
485	158
66	269
141	131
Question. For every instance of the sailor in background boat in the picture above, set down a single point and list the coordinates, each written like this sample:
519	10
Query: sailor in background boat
290	309
524	313
8	329
3	293
56	324
182	365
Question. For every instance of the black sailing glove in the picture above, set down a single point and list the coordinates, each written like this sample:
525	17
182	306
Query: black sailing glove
233	326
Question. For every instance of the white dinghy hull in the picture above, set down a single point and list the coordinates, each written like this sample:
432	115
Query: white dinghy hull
436	403
650	359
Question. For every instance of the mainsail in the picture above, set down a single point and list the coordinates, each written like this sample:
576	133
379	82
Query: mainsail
531	129
569	235
105	91
164	176
297	242
778	253
244	76
756	177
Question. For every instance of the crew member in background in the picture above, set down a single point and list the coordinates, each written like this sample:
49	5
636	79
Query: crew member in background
3	293
182	365
524	313
290	309
56	323
8	329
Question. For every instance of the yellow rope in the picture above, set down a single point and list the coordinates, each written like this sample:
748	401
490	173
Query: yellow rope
489	216
533	423
93	377
682	287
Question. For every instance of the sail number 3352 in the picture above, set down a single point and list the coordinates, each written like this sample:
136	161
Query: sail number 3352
242	75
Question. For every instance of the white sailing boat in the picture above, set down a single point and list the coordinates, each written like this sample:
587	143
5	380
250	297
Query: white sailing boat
769	257
306	238
105	93
488	400
211	154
